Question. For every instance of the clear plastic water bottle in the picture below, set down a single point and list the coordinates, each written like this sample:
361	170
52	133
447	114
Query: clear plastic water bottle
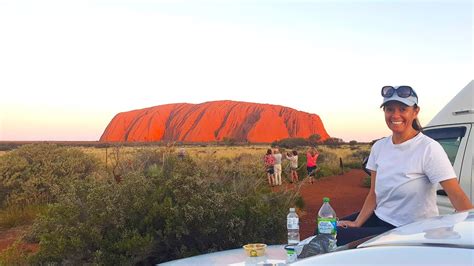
293	226
327	221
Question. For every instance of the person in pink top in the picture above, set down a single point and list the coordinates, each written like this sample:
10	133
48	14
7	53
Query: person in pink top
311	163
269	162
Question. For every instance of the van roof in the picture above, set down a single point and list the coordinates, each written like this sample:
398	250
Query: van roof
459	110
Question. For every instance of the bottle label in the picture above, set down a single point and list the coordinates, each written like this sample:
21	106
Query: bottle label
291	255
327	226
292	223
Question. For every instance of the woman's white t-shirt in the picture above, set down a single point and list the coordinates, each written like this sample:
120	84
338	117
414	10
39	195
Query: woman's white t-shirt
407	177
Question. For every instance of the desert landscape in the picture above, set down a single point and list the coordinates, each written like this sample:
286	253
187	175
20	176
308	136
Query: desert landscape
229	166
134	132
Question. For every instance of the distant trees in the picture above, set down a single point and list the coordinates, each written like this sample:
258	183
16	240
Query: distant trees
312	141
333	142
290	143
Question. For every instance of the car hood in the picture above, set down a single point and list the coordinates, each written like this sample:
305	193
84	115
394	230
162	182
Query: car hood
448	230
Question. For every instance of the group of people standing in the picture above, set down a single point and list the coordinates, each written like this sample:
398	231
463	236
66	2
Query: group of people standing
273	159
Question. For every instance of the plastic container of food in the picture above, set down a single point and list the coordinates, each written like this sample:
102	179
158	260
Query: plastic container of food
255	250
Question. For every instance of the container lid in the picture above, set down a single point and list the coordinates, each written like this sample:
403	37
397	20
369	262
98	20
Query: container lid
292	209
325	199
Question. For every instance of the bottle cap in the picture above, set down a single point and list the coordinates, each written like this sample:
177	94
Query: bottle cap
292	209
325	199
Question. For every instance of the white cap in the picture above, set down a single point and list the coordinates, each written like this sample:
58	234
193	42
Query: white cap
410	101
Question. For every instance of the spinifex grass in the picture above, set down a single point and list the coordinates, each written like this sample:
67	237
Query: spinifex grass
13	216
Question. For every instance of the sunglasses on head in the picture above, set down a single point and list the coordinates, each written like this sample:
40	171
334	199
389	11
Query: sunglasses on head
402	91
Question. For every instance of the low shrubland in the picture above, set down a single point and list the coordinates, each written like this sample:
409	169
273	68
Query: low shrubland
35	173
145	204
161	208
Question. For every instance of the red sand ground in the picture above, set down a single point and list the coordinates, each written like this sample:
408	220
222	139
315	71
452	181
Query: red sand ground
8	237
346	192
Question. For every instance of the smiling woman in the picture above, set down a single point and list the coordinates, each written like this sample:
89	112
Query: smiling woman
406	168
401	110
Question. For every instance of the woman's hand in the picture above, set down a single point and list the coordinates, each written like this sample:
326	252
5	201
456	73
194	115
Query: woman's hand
345	224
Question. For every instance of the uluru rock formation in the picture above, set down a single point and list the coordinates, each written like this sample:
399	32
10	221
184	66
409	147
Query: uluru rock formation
213	121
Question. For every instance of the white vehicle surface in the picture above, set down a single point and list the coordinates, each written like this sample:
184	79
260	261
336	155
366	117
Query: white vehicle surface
441	240
453	128
274	255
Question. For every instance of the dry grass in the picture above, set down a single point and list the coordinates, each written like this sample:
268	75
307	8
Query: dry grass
344	151
13	216
194	151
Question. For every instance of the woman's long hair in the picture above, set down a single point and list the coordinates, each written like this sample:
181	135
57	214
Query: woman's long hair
416	123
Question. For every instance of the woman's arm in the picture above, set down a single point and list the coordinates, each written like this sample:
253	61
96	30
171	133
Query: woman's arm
456	195
368	207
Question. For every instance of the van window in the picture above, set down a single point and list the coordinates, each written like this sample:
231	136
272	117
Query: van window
449	138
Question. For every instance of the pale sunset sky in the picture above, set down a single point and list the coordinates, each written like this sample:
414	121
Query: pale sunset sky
67	67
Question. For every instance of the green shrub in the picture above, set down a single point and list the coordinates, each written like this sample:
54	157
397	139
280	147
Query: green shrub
327	170
167	210
353	164
366	181
299	202
328	157
360	154
13	216
290	143
333	142
34	174
97	222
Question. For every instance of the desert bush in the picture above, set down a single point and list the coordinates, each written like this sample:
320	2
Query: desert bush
3	194
162	212
14	215
314	140
327	170
290	143
98	221
360	154
366	181
302	172
353	164
328	157
33	174
333	142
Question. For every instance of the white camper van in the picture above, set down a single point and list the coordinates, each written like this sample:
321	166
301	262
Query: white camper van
453	128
